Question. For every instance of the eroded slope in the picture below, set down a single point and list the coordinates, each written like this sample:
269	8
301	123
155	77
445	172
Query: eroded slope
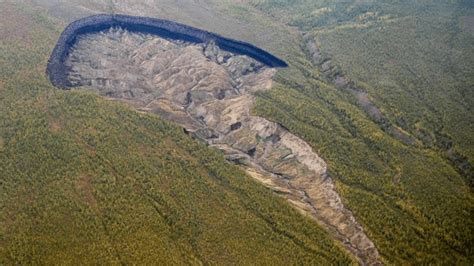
210	92
88	181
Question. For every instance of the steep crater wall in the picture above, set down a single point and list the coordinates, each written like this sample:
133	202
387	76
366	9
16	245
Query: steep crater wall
209	90
58	72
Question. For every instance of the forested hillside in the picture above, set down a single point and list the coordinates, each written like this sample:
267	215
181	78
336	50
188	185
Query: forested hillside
382	90
89	181
414	61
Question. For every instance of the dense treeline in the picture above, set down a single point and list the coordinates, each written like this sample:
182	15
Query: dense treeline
414	61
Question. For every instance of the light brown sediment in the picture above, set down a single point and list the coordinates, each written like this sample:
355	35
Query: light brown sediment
210	93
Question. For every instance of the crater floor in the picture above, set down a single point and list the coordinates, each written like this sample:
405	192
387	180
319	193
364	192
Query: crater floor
210	93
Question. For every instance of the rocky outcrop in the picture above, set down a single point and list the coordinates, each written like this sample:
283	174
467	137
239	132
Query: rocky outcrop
163	28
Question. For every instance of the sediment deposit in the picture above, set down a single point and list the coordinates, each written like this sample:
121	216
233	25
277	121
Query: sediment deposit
209	91
163	28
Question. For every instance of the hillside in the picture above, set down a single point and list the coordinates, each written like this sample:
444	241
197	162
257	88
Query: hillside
378	93
86	180
394	122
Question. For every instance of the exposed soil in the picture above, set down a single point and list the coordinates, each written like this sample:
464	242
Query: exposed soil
210	93
170	30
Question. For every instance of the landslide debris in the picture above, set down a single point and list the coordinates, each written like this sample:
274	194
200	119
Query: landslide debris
158	27
210	93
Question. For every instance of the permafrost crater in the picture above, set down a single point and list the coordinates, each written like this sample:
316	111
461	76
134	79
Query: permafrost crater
209	91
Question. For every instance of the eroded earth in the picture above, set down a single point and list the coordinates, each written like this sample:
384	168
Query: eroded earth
210	93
